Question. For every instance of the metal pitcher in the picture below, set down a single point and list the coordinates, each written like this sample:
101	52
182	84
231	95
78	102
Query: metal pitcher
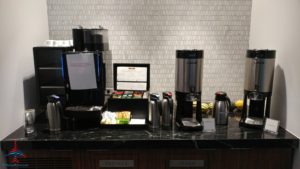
221	108
54	111
167	110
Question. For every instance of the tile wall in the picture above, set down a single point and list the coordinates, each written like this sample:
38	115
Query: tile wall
150	31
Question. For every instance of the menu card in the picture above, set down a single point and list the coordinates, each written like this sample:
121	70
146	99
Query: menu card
131	78
132	74
81	71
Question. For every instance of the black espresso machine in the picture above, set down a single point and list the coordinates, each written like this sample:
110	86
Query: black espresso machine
189	68
85	77
259	70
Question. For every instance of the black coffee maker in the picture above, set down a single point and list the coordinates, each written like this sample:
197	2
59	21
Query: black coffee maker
259	72
85	77
189	66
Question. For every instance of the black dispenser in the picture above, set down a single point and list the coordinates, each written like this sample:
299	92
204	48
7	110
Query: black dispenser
259	72
189	66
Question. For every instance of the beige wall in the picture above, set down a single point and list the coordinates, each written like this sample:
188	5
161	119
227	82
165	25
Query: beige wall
150	31
24	24
276	25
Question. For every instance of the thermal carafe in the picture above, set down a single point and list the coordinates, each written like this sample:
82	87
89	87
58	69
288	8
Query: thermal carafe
167	110
54	112
154	112
259	71
188	84
221	108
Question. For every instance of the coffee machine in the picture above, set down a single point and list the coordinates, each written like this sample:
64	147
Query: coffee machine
85	77
189	68
259	72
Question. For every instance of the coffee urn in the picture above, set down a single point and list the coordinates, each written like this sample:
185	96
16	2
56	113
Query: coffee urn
259	72
189	68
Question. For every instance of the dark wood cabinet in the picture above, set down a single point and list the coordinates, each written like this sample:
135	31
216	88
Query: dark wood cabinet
95	159
149	159
187	159
47	159
251	159
265	158
223	159
158	159
145	159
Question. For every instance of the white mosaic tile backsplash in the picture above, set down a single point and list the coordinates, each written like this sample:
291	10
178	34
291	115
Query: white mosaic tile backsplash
150	31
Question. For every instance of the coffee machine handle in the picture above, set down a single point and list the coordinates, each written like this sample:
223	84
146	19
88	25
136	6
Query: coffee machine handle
60	108
171	104
228	101
63	117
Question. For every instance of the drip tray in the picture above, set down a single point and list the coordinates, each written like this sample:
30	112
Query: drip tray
83	111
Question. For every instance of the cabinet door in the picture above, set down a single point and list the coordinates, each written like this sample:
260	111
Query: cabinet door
224	159
152	159
186	159
47	159
266	159
98	159
251	159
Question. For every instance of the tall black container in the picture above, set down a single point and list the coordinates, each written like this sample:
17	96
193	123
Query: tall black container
90	39
259	72
78	39
189	68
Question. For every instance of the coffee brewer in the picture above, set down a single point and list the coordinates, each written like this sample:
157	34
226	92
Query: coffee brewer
189	66
85	77
259	72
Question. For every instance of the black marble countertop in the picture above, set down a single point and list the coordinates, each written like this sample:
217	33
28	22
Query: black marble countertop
225	137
